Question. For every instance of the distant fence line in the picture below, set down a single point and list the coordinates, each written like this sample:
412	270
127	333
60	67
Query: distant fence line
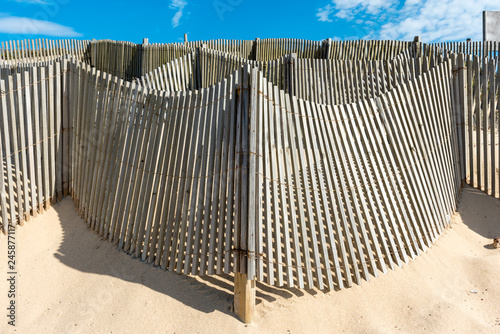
245	49
41	50
316	80
129	60
489	49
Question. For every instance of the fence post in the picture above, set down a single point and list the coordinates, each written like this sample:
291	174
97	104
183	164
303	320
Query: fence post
255	52
290	84
417	46
185	38
244	276
144	59
328	48
244	297
462	96
457	113
470	121
65	129
199	66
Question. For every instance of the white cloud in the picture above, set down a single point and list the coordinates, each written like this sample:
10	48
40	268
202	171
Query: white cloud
432	20
348	9
323	14
439	20
27	26
369	6
179	5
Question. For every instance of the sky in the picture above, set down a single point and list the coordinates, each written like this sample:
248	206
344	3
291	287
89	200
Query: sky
168	21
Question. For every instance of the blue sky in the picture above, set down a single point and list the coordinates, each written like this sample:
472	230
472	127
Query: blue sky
167	21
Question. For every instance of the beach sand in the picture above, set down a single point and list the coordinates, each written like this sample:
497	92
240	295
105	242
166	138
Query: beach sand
70	281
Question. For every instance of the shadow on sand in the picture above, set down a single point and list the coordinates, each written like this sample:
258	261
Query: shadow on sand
481	213
85	251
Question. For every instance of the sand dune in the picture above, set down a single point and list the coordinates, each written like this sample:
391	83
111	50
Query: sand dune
72	282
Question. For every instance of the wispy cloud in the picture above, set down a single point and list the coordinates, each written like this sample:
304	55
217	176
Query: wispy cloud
433	20
179	5
38	2
323	14
27	26
348	9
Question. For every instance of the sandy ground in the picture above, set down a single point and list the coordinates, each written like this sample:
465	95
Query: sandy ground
72	282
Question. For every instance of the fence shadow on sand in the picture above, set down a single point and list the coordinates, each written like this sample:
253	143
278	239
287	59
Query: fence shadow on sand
83	250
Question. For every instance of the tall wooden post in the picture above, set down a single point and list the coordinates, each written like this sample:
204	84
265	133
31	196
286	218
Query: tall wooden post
143	57
65	130
244	297
417	47
457	109
462	98
244	277
256	44
290	80
327	48
185	38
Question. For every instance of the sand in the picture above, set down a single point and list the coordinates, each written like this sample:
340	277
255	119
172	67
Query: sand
70	281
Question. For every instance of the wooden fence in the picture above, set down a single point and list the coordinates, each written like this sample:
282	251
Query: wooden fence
238	48
129	60
35	51
178	208
316	80
488	49
206	67
336	82
175	76
299	172
317	227
367	50
194	219
33	104
341	193
479	78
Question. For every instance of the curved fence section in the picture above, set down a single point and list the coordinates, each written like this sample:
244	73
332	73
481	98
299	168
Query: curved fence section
260	182
342	193
322	81
160	174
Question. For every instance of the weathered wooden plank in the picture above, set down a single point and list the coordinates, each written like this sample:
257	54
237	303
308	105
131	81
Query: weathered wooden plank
24	211
8	159
38	144
30	143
